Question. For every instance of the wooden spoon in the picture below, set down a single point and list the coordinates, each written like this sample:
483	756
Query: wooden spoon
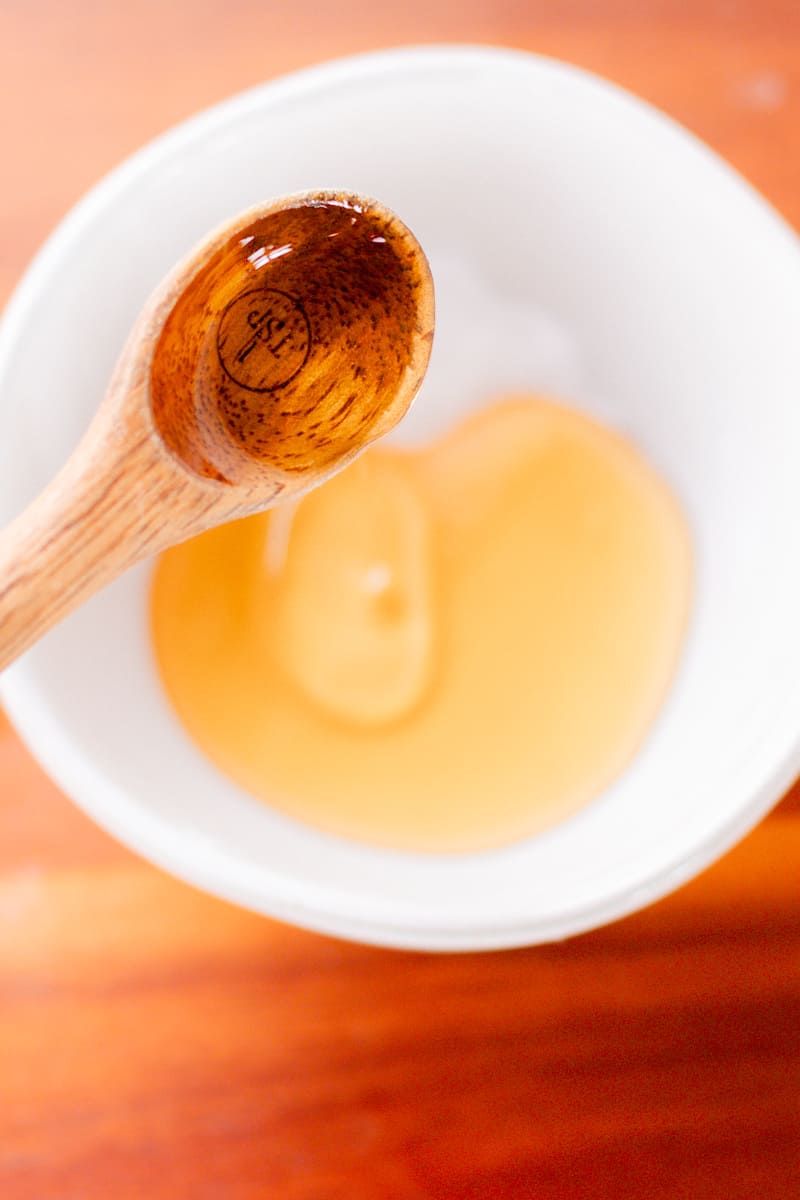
267	360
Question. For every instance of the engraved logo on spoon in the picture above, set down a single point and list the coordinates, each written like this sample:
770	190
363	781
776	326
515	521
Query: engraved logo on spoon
264	339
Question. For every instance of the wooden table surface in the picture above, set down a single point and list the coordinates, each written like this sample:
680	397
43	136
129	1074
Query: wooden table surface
158	1043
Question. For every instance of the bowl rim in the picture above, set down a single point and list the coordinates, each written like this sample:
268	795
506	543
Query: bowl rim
95	793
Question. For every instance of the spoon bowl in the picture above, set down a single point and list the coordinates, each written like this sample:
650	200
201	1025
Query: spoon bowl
301	336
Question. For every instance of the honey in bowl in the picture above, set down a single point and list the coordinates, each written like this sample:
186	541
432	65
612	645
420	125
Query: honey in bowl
443	649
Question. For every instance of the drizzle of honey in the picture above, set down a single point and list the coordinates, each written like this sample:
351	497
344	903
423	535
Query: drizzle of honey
441	650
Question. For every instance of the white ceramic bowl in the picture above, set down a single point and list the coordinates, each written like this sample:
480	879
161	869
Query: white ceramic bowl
639	277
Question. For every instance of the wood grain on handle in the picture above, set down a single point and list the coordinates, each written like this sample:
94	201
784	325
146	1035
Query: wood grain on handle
99	516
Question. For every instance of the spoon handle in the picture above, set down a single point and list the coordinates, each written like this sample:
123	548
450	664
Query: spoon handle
101	514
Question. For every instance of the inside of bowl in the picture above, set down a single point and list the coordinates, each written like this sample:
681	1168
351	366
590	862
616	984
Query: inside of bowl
635	276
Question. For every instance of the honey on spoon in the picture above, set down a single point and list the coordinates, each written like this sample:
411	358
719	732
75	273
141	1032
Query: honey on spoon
267	360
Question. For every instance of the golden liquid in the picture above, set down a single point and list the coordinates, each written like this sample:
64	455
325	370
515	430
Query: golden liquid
440	650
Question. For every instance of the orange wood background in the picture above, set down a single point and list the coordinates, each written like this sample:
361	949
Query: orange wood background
155	1042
